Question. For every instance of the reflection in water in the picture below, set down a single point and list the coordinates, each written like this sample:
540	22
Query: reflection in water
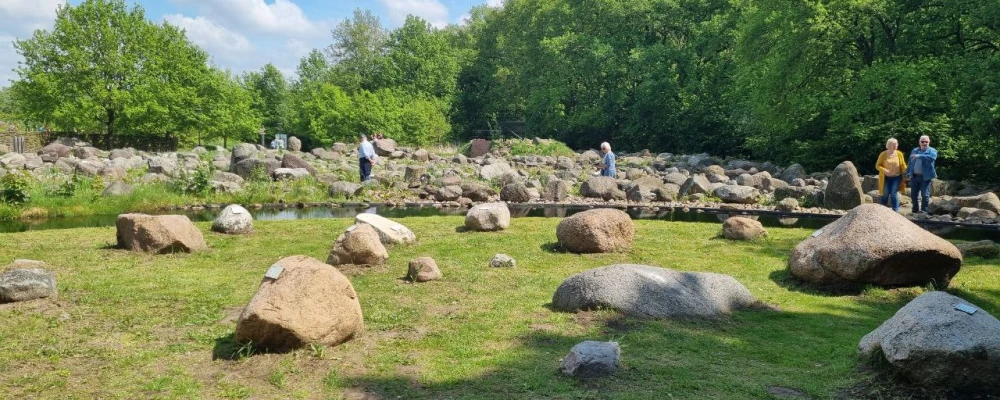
664	214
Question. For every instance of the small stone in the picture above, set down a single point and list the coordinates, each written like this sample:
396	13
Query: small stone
502	261
423	269
592	359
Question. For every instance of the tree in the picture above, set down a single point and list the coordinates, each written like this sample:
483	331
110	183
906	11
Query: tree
421	61
105	67
358	51
270	96
227	109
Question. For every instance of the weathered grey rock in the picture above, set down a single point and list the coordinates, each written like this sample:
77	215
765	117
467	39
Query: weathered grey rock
793	172
25	280
787	204
344	189
591	359
476	191
158	233
384	147
695	184
650	292
163	165
413	174
290	160
738	194
602	230
502	261
310	302
389	231
117	188
224	187
358	245
54	151
740	228
234	219
931	343
601	187
844	190
983	248
281	174
243	151
245	168
420	155
294	144
488	217
220	176
423	269
460	159
515	193
493	171
555	190
871	244
448	193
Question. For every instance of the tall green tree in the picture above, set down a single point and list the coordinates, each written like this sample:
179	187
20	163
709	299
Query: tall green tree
227	109
104	67
269	91
358	51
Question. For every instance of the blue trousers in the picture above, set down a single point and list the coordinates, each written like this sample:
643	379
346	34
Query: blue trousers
891	189
366	169
920	187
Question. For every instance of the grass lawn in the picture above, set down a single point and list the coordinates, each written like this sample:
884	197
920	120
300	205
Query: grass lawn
129	325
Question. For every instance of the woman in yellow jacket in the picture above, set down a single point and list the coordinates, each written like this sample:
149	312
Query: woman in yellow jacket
891	164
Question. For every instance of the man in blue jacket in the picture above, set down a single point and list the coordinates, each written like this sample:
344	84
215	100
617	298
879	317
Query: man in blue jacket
921	171
608	161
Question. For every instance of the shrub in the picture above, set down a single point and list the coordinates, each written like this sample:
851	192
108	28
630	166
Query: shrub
14	188
193	182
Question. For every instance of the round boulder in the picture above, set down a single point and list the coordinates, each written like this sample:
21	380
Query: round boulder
233	219
488	217
25	280
932	343
389	231
871	244
602	230
592	359
358	245
308	302
844	190
741	228
423	269
158	233
650	292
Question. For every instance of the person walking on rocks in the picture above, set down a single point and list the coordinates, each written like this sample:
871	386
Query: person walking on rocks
366	157
608	163
921	171
890	165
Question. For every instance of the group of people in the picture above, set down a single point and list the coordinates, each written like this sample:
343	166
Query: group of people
892	167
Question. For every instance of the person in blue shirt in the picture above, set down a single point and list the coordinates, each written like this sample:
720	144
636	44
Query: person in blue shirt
920	172
608	163
366	157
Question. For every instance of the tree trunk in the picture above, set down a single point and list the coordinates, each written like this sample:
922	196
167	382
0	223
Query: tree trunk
111	127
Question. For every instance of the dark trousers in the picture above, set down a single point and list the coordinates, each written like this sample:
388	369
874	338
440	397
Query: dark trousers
919	186
366	169
891	189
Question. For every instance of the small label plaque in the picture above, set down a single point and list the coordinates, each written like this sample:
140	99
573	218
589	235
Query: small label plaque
237	211
966	308
351	228
817	233
274	272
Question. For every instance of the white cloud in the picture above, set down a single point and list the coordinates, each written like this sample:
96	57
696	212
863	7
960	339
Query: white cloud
8	60
495	3
282	17
210	36
19	19
432	11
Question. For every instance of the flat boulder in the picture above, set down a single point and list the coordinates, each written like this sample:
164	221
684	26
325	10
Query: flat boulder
234	219
931	343
308	303
602	230
738	194
488	217
602	187
871	244
25	280
158	233
592	359
344	189
649	292
389	231
384	147
290	160
358	245
741	228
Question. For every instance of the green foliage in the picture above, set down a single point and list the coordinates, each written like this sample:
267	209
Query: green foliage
193	182
14	188
546	147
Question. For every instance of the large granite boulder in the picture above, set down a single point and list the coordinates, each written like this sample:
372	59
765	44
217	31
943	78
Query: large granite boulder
243	151
515	193
477	191
54	151
358	245
245	169
494	171
294	144
384	147
309	303
423	269
793	172
234	219
695	184
738	194
742	228
389	231
843	192
602	187
650	292
158	233
290	160
931	343
488	217
344	189
602	230
25	280
592	359
448	193
555	190
871	244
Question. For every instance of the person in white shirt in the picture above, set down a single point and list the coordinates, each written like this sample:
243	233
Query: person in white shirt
366	157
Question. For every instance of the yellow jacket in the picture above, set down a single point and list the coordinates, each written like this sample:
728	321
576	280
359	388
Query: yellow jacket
880	166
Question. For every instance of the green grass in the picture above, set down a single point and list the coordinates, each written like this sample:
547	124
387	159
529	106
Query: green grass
130	325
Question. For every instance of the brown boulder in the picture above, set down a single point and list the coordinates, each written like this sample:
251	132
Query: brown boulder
871	244
358	245
740	228
158	233
309	302
602	230
423	269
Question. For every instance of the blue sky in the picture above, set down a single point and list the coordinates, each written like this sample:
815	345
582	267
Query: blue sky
239	34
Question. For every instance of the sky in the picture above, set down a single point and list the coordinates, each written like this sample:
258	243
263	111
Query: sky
240	35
